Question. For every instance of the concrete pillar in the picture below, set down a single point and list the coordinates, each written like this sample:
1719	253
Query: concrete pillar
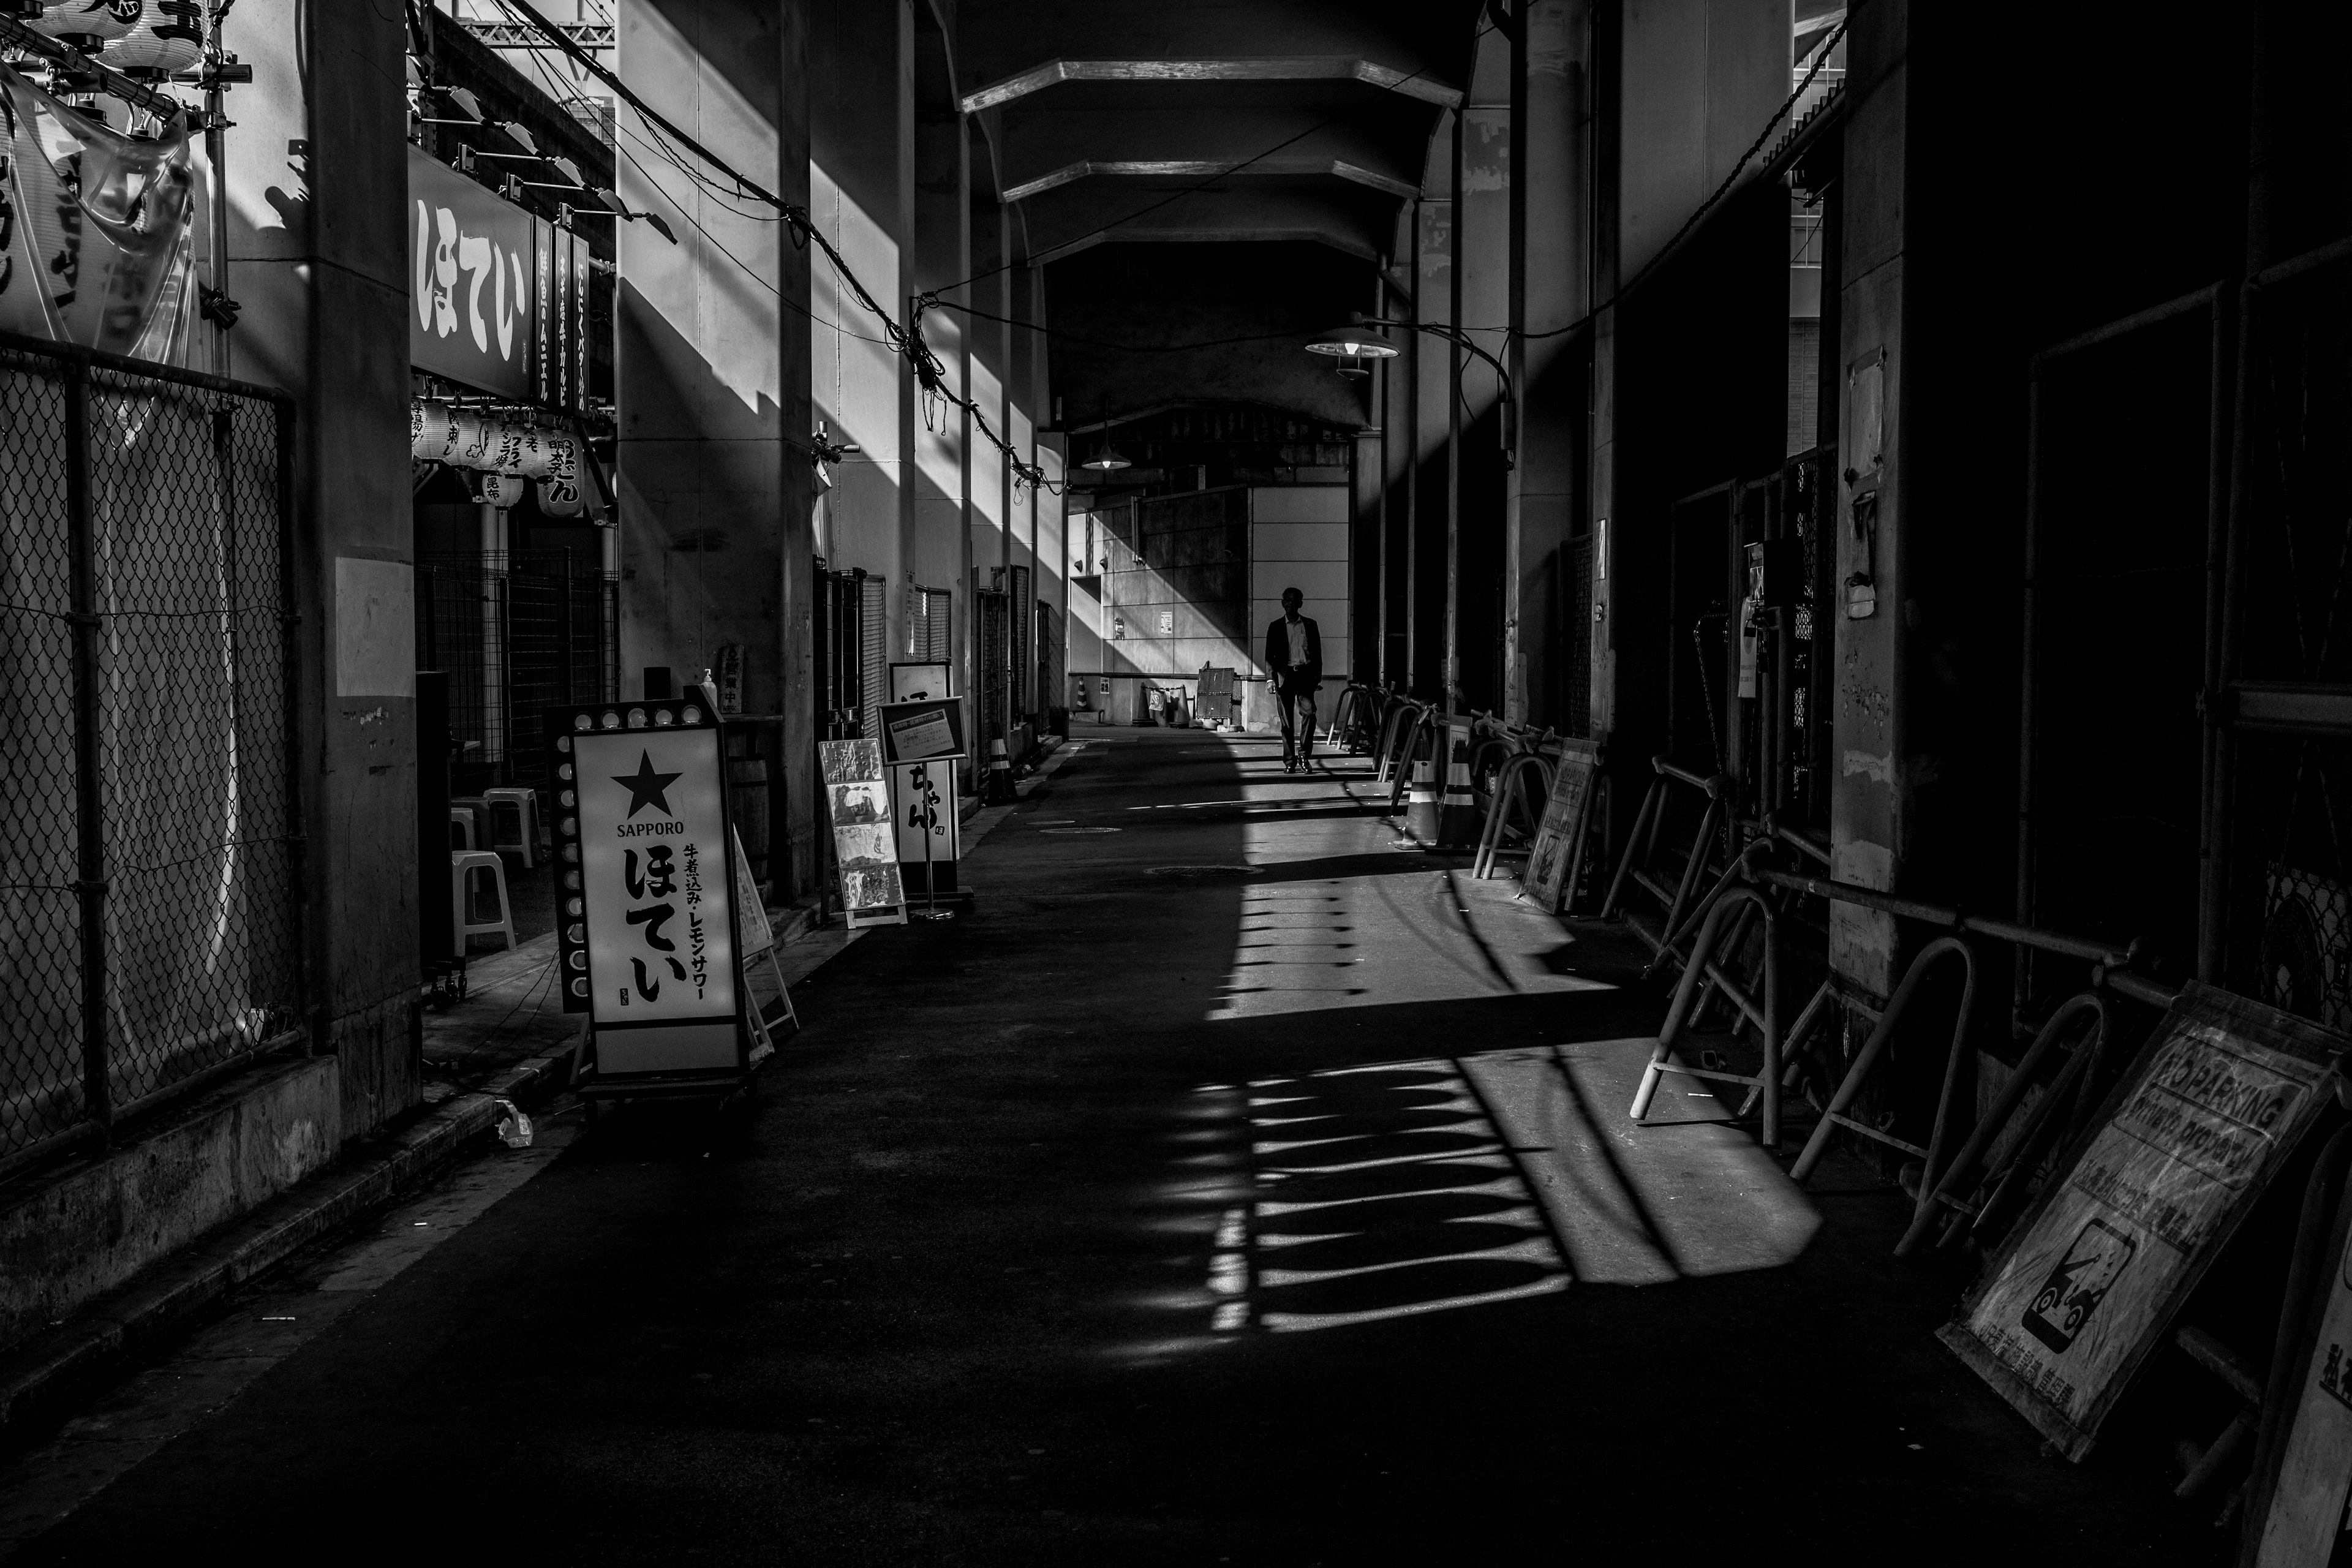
940	539
713	373
988	506
1432	402
317	194
1482	303
1550	152
862	197
1867	802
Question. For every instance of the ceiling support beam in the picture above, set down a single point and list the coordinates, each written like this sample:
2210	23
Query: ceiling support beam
1210	169
1302	68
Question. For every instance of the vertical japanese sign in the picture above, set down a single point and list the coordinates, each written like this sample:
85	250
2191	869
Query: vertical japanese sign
644	874
473	281
2089	1280
857	802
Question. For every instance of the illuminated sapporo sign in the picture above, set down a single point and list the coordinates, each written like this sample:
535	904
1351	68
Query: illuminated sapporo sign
646	942
497	298
2088	1282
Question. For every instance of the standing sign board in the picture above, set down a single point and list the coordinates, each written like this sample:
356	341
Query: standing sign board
2088	1282
857	803
1558	843
923	796
2301	1511
646	937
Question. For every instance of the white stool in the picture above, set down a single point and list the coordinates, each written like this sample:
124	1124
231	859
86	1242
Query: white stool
462	864
461	825
524	803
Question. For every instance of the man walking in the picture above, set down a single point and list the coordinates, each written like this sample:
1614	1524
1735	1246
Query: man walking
1293	661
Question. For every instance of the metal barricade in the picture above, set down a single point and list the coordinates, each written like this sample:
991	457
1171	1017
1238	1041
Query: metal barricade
1764	1085
1394	724
1639	866
1353	718
1511	785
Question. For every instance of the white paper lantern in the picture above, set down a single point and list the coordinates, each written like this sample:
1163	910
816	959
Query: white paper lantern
506	449
100	19
170	37
501	491
429	429
472	440
561	498
537	462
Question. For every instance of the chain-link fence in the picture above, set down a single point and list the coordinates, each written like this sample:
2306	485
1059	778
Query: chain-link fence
150	864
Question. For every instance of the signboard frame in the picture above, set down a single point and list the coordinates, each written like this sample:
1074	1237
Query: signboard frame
1558	844
917	673
2101	1241
709	1046
899	721
860	814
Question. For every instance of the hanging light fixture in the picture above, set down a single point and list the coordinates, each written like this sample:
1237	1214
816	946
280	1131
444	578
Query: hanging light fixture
1106	459
1354	347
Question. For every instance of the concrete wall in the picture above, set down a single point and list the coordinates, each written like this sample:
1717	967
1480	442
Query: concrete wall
317	192
1299	537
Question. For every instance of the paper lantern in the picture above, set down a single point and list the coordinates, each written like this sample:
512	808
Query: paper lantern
429	430
506	449
537	462
170	37
561	498
99	19
500	490
472	442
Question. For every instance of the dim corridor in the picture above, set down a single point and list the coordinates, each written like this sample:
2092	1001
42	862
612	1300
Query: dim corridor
1231	1185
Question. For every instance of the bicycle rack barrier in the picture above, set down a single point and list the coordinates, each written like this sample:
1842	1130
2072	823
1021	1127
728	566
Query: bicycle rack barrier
2078	1082
1511	785
1637	868
1400	716
1752	904
1349	716
1426	721
1866	1060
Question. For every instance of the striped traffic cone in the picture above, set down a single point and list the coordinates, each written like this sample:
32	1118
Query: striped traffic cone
999	775
1458	813
1421	804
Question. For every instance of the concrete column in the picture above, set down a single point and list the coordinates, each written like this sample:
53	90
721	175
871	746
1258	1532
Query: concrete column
940	540
1432	402
862	197
1482	303
1550	156
713	373
317	194
1869	797
988	507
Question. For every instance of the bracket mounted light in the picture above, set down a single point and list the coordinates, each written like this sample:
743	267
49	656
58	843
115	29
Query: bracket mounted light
1354	347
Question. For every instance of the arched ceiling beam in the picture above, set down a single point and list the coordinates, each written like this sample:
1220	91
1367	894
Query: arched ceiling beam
1302	67
1210	169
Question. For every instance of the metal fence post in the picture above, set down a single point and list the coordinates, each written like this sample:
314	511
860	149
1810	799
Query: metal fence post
88	794
289	642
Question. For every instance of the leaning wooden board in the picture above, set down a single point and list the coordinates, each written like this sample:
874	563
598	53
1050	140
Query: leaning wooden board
2089	1282
2300	1514
1559	837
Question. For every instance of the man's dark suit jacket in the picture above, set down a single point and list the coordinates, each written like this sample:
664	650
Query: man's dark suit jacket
1288	681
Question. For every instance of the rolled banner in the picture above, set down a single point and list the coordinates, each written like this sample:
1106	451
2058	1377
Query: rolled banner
170	37
76	19
561	498
500	490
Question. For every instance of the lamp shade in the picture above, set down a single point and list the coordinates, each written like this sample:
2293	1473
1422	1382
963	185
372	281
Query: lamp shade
1353	343
1106	460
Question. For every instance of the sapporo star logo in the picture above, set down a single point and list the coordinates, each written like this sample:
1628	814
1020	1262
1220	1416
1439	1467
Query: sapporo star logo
645	788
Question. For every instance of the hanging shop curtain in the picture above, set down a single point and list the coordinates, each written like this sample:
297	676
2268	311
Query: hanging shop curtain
101	235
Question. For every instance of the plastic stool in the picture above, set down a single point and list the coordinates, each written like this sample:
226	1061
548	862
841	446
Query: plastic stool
461	821
463	863
525	837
